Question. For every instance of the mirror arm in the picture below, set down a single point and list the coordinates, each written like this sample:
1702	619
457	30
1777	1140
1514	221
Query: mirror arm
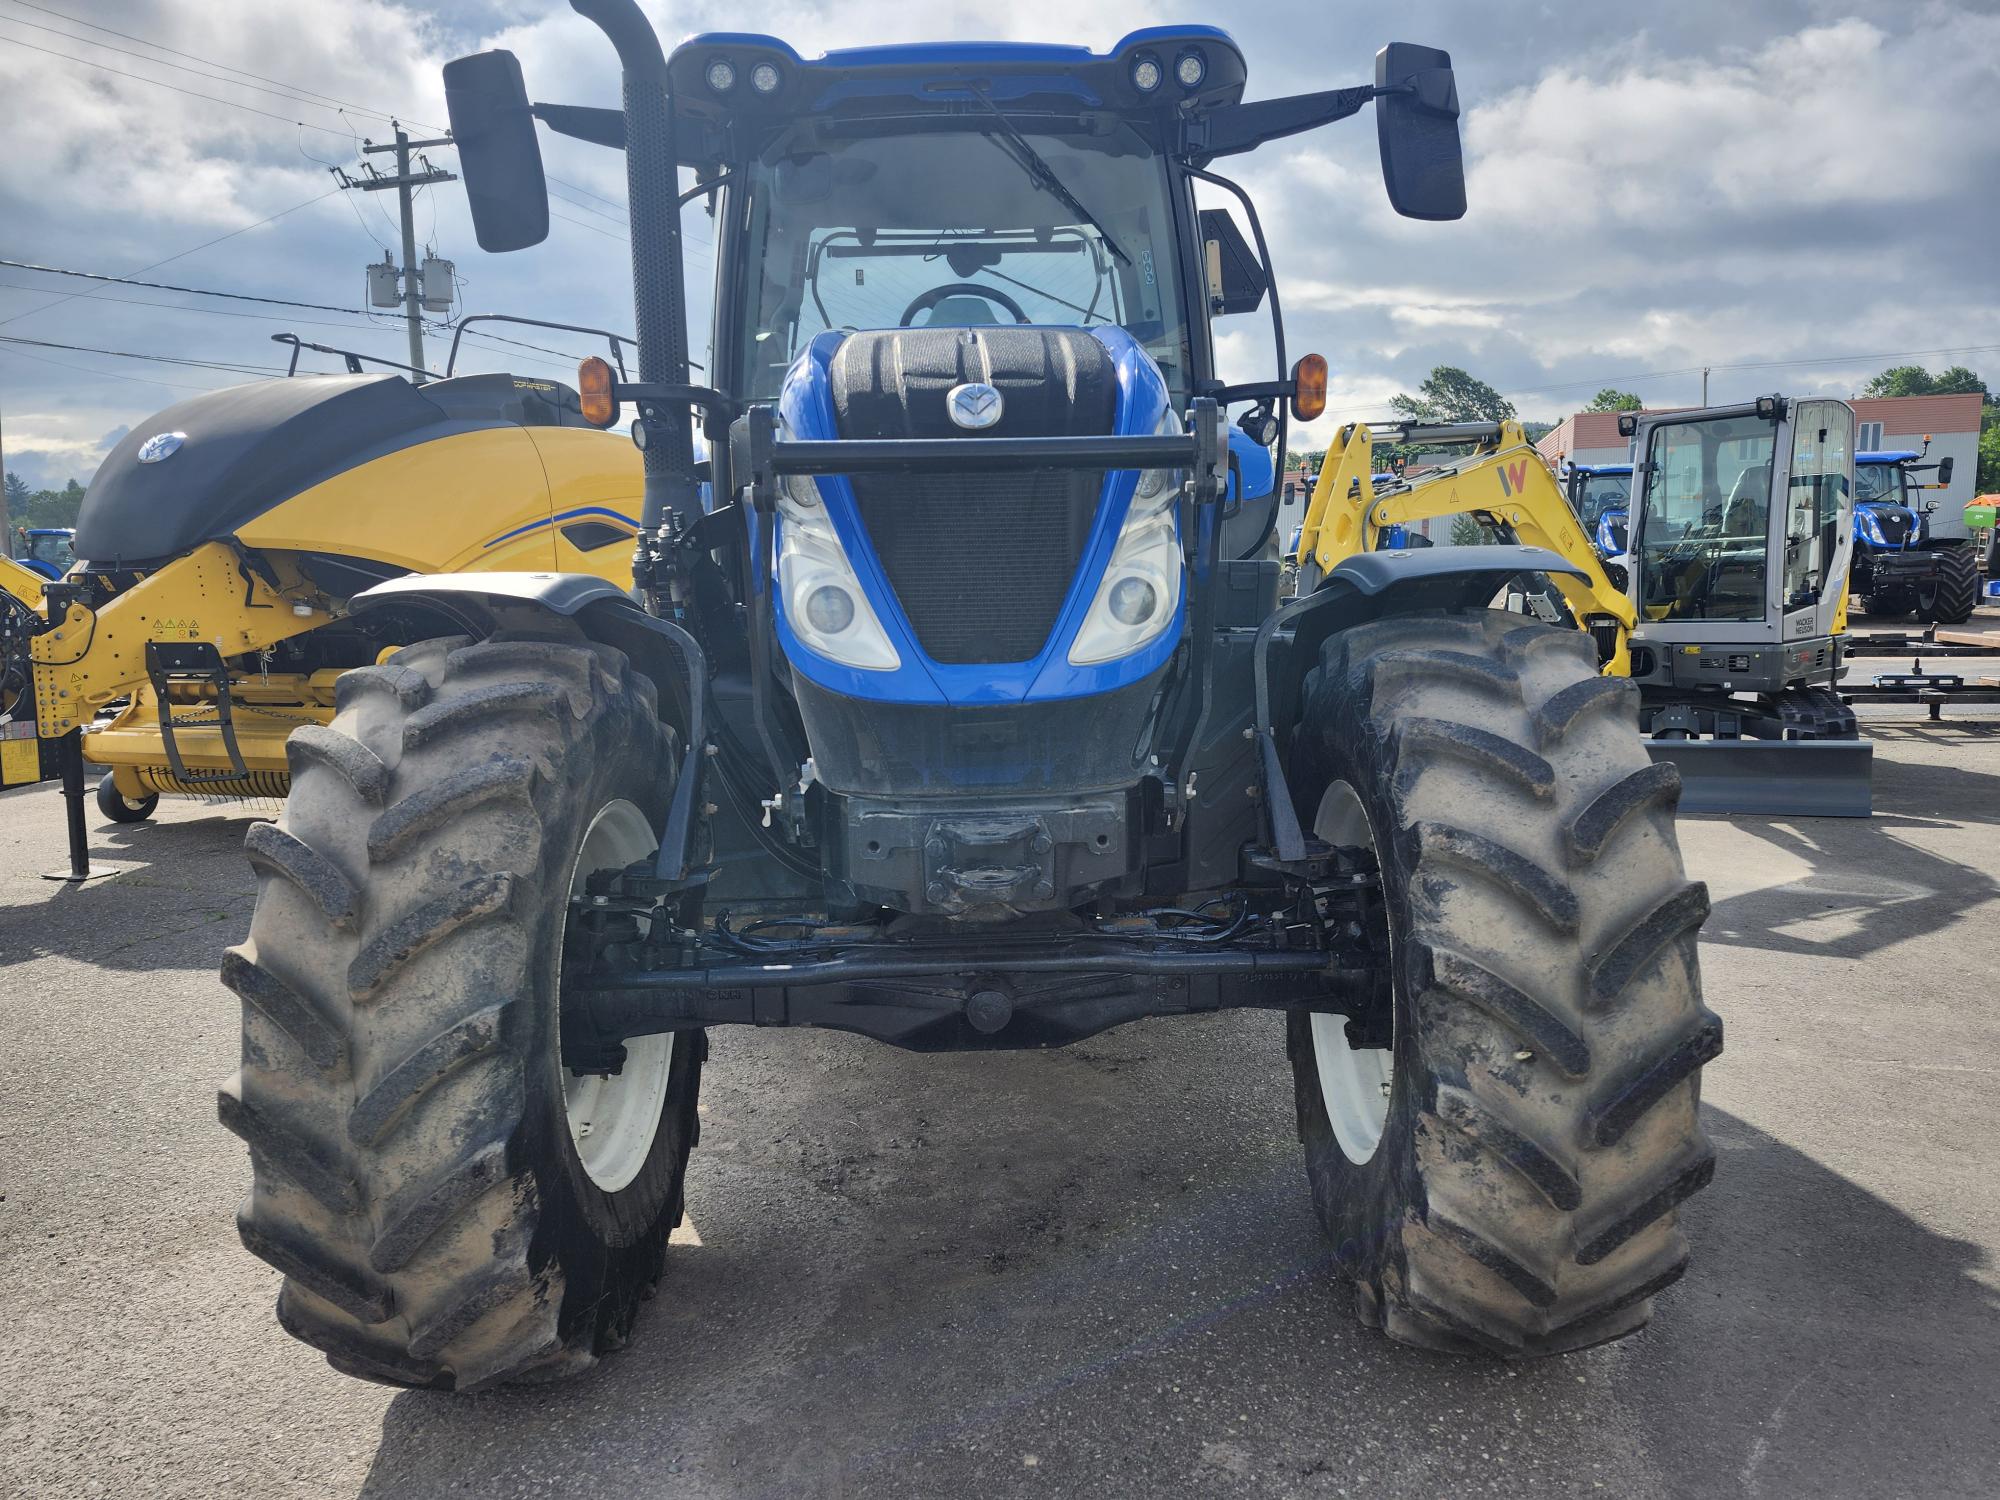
1244	127
601	127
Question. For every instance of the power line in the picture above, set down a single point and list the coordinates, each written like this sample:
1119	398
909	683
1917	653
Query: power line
43	359
158	84
208	312
193	57
281	92
161	359
178	255
163	286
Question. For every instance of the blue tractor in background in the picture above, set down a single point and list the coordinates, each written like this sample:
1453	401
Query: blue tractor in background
1601	496
49	550
1899	568
955	706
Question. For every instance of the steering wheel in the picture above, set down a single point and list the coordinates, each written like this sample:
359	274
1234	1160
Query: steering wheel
928	300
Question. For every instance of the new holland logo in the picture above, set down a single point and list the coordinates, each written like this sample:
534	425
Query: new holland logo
161	445
974	406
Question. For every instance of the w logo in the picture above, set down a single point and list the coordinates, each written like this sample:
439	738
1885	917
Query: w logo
1513	478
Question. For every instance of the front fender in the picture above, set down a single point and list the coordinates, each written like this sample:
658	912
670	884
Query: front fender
485	604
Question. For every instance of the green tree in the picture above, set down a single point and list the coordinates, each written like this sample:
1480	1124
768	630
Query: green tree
50	507
1449	394
1915	380
1989	450
17	489
1466	532
1610	399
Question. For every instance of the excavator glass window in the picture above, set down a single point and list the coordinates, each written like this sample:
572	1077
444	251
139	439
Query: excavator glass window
960	228
1708	497
1822	449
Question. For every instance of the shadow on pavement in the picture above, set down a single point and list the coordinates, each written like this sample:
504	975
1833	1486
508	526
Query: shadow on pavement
178	891
919	1316
1866	891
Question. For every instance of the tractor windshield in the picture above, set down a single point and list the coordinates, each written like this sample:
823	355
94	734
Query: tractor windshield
1598	493
53	548
1708	504
1879	484
953	228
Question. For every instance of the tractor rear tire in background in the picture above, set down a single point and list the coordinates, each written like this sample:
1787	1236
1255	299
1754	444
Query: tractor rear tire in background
111	802
450	1207
1951	599
1504	1177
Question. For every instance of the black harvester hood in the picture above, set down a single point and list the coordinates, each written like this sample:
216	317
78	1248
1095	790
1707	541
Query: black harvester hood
251	447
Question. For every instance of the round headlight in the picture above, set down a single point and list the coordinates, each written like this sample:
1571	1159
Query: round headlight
722	75
829	609
1146	75
1191	69
1133	601
764	78
801	489
1151	482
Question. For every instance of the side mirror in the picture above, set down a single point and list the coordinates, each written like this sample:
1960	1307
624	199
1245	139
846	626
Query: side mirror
1945	466
1237	280
498	155
1416	127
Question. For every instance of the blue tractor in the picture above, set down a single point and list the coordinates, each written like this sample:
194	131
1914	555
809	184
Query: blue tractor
49	550
955	706
1601	496
1899	567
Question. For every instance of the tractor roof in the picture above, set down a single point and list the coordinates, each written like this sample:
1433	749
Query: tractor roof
1887	456
1602	468
854	79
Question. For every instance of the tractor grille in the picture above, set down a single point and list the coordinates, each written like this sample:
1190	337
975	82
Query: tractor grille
980	562
1896	526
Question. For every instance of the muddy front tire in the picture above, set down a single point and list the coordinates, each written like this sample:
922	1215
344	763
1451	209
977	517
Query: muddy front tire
1504	1177
439	1220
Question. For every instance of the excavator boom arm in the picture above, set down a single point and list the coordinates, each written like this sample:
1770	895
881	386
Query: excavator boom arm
1505	482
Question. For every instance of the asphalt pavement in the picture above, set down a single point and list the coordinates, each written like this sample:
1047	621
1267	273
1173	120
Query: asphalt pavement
1085	1272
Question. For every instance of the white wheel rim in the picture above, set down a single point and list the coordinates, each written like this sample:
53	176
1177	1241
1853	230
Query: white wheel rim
1354	1082
613	1118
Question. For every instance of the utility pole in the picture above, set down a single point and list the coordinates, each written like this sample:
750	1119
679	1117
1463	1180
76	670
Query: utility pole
1704	368
403	182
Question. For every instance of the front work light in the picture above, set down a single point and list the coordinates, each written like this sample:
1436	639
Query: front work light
1146	75
764	78
595	392
722	75
1309	387
1191	69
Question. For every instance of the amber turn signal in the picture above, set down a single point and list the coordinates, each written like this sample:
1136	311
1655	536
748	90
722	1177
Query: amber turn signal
594	385
1309	388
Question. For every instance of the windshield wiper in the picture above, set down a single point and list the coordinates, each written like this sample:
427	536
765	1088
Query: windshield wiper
1044	176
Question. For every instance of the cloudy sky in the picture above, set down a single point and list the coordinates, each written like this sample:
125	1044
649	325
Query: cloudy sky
1794	192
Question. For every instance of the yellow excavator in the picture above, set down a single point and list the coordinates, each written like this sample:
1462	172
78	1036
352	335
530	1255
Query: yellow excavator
206	615
1727	613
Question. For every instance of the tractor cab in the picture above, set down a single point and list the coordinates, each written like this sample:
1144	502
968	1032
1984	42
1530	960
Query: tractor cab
49	550
1601	496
